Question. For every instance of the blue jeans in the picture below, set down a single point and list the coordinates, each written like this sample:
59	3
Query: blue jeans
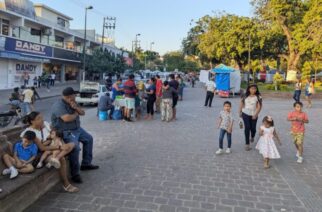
26	109
76	136
297	95
221	138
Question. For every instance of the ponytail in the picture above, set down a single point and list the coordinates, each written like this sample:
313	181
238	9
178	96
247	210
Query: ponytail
27	119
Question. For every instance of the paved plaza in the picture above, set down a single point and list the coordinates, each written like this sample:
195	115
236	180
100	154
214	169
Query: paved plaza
171	167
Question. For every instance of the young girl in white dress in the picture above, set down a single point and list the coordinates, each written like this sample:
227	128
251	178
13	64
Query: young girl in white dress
266	144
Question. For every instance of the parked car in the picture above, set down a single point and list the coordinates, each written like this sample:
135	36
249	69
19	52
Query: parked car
90	93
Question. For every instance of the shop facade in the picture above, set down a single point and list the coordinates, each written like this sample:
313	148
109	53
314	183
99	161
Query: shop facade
19	58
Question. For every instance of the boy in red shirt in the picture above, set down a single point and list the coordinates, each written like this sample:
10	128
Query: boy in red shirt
298	119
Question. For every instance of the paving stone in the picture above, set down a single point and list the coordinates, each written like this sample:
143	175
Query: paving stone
150	170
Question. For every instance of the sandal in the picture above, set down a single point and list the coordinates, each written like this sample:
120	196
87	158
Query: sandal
71	189
267	166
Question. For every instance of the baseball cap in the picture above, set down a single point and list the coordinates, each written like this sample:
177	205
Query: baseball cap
69	91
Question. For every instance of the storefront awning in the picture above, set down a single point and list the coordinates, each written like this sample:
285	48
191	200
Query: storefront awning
17	56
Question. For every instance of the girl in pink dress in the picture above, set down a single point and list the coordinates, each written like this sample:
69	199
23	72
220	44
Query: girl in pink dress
266	144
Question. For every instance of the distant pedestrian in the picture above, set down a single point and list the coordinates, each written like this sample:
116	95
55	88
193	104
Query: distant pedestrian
175	85
166	103
225	125
210	87
193	80
117	89
309	91
150	91
266	144
109	82
48	81
26	78
39	80
158	93
105	104
297	91
27	101
130	91
250	107
298	118
52	79
35	81
34	97
181	87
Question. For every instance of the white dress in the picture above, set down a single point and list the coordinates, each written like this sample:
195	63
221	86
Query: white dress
266	144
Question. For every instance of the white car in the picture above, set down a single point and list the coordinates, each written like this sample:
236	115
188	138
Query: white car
90	93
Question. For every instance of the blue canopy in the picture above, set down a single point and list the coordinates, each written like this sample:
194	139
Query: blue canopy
222	69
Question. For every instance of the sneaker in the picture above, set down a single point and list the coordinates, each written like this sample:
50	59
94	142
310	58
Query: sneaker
14	173
297	154
39	165
228	151
219	151
6	171
48	165
300	160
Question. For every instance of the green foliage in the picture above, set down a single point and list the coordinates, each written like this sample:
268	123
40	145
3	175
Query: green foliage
176	60
306	71
269	87
103	61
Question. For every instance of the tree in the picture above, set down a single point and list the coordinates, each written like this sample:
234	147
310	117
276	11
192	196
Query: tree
298	20
177	61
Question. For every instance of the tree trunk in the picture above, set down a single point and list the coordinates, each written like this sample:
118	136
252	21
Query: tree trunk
293	61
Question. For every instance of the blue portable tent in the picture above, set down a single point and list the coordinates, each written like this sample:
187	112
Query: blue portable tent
223	77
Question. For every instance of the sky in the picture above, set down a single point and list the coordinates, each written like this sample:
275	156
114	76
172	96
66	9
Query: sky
164	22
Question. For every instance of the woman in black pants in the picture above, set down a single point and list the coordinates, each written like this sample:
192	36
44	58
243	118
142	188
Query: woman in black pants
151	98
250	107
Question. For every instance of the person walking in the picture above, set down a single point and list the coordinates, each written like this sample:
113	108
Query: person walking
66	117
26	78
266	143
309	91
130	91
210	87
181	87
52	79
150	91
158	93
27	101
297	92
175	85
250	107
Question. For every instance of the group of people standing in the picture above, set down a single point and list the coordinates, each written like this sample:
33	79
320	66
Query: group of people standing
156	96
25	99
309	91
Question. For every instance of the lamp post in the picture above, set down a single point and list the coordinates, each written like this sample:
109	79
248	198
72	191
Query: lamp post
152	43
84	49
134	46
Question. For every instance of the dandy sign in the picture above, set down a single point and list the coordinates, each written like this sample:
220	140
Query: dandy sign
28	47
22	67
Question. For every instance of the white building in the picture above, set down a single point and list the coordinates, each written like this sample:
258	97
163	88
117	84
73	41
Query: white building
37	39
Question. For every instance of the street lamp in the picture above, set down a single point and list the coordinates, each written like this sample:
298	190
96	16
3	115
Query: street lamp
84	48
152	43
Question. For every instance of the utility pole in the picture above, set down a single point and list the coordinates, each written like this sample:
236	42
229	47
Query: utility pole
249	40
84	49
108	23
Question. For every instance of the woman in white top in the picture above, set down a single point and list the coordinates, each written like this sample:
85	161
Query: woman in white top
250	107
42	129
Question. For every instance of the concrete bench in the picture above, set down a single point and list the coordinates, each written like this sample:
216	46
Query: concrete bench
19	193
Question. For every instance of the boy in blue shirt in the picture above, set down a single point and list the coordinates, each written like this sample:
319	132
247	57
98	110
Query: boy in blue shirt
25	153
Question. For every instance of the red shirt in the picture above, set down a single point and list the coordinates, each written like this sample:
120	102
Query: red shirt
129	89
159	88
298	126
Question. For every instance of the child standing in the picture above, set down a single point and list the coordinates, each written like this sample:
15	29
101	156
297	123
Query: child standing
266	144
226	122
56	139
25	153
298	118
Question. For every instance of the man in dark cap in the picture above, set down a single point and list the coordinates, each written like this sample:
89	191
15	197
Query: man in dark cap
65	117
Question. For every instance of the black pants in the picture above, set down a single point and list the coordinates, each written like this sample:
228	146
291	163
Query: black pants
250	127
150	105
209	97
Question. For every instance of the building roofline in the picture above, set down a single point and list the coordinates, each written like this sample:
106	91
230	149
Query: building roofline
53	10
